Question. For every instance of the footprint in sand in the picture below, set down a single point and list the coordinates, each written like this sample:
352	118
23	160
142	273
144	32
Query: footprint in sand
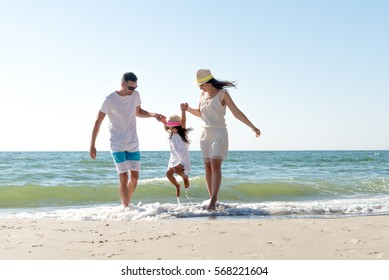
376	254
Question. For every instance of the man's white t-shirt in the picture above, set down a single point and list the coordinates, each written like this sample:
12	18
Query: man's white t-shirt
121	111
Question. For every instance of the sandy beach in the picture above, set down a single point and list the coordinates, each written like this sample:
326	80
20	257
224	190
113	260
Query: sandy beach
356	238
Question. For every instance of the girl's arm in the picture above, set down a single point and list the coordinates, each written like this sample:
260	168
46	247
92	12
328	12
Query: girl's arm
164	122
239	114
183	118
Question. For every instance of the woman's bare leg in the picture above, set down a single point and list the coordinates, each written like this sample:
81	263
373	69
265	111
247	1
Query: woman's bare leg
208	177
216	180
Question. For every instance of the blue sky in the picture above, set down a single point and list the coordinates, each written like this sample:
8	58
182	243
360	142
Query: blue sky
310	74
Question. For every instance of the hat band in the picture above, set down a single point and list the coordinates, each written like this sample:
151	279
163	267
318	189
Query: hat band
169	123
206	79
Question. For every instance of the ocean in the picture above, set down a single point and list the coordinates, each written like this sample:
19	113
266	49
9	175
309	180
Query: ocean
256	184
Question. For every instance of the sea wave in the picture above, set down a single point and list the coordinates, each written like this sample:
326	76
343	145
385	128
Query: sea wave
162	211
161	190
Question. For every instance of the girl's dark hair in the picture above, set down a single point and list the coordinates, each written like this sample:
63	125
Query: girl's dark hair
221	84
183	133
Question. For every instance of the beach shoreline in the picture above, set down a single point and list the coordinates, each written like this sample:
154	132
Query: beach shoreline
348	238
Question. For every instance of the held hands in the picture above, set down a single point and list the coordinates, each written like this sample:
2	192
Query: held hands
184	106
163	121
160	118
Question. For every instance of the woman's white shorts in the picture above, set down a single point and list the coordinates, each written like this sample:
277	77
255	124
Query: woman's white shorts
214	143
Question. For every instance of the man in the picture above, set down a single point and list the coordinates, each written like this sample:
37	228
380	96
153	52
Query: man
122	108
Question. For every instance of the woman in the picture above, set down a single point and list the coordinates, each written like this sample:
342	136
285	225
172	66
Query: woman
214	99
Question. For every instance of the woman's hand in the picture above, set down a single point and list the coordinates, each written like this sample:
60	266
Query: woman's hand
257	131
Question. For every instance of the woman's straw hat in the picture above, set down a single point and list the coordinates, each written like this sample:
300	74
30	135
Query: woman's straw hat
174	121
203	76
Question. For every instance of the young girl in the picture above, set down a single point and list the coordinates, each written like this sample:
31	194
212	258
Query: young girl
179	162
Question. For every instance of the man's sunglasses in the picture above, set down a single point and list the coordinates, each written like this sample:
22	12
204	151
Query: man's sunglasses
130	88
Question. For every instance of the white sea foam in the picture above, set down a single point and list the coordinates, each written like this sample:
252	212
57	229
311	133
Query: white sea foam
158	211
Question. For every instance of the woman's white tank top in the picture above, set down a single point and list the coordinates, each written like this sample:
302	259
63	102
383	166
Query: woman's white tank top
212	110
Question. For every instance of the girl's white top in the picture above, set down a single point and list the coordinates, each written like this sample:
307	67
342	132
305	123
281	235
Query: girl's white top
179	152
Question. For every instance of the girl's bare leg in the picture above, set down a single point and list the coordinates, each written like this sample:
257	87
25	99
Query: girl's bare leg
184	177
172	179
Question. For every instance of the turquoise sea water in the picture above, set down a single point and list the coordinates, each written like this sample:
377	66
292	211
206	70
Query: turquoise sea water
70	185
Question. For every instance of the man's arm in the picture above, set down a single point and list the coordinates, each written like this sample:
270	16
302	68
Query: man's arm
141	113
95	132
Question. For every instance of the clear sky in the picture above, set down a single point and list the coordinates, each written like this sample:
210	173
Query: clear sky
311	74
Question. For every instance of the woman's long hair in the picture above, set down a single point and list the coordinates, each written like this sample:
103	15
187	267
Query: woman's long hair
221	84
183	133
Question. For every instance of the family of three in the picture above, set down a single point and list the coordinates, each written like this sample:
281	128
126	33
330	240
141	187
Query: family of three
124	105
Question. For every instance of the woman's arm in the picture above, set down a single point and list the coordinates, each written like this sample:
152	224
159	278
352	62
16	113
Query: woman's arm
196	112
239	114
